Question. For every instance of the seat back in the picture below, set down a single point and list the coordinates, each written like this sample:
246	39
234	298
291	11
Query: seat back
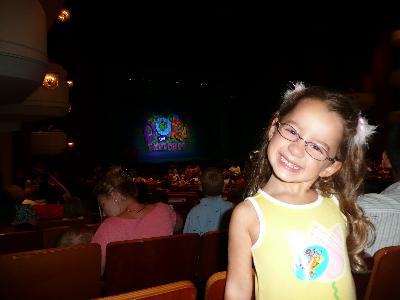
181	290
17	241
213	255
385	277
62	273
137	264
215	286
59	222
51	235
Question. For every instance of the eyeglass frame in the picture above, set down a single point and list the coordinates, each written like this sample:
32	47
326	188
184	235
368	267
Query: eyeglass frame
278	124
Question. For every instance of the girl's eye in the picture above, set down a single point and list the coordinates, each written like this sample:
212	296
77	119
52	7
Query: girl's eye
317	148
291	131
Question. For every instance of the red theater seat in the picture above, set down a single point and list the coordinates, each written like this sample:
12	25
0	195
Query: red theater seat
17	241
138	264
181	290
61	273
213	255
384	282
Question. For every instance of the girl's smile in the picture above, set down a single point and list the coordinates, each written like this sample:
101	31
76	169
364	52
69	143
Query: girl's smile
290	166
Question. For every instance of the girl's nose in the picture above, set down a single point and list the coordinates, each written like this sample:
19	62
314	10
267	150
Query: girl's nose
297	148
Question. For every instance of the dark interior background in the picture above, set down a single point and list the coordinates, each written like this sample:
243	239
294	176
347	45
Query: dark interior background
222	66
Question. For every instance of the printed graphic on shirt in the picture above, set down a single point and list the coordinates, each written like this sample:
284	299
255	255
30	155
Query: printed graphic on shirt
318	254
312	264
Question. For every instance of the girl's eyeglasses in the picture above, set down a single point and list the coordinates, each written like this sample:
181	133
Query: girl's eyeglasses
314	150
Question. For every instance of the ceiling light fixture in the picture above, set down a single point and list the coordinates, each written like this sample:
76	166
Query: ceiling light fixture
51	80
64	15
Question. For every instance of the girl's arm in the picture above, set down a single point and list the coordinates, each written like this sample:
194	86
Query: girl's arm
239	281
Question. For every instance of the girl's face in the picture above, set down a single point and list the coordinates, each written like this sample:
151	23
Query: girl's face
111	204
314	123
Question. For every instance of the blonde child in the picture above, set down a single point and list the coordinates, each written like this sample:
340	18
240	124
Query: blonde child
302	229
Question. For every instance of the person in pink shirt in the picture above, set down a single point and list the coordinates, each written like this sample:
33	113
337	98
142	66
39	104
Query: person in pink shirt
127	214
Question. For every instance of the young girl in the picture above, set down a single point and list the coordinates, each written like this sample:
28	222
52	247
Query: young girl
302	227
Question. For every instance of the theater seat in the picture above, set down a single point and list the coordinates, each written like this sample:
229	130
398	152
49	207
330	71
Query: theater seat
52	234
384	282
215	287
138	264
181	290
17	241
57	273
213	256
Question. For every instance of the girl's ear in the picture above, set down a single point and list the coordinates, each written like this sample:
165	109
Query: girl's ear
272	129
116	196
331	169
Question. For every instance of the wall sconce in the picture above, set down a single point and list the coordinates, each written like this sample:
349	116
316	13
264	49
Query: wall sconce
64	15
51	80
70	144
70	83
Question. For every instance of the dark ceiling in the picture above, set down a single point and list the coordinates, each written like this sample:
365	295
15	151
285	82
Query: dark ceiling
225	54
244	40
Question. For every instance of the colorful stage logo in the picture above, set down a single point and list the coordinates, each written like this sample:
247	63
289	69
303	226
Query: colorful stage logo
166	133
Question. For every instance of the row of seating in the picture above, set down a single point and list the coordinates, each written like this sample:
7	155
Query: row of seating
74	272
181	290
12	240
137	264
54	273
383	283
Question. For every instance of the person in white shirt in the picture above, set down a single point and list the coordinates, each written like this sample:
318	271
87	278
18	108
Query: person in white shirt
383	209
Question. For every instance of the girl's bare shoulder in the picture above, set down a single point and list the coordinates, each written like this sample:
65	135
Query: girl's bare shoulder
244	221
245	211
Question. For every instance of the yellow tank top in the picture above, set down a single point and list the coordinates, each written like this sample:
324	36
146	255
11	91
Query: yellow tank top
301	250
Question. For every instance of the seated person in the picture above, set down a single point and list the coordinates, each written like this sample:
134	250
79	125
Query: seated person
383	209
128	217
234	169
77	235
212	213
25	215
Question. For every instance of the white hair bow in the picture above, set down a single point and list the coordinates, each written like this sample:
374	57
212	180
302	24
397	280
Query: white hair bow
364	131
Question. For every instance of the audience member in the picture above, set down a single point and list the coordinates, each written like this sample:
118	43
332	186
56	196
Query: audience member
383	209
212	213
234	169
127	217
25	215
77	235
